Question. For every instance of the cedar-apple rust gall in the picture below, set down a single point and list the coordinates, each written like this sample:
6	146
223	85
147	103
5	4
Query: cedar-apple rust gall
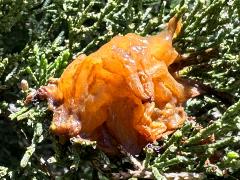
122	94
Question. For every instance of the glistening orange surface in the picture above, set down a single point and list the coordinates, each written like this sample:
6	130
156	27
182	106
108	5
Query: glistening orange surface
122	94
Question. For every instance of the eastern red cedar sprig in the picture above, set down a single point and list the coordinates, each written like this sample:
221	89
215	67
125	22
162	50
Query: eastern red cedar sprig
39	38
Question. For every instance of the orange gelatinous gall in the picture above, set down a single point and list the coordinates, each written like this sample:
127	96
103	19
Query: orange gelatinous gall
122	94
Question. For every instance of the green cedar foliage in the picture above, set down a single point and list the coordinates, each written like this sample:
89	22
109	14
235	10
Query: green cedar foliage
38	38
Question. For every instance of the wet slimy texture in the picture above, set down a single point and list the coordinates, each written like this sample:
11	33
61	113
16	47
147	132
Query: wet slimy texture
122	94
